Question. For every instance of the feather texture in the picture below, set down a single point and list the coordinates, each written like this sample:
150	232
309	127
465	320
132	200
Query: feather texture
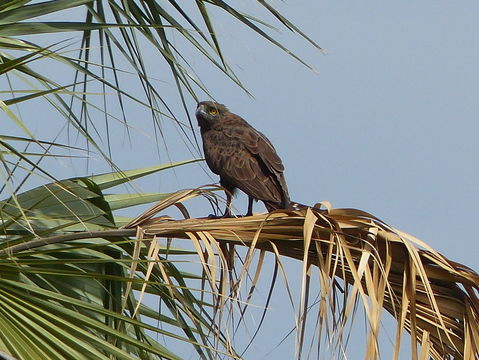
242	156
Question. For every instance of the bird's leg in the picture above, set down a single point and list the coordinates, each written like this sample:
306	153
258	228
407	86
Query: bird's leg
229	196
228	204
250	206
229	190
227	212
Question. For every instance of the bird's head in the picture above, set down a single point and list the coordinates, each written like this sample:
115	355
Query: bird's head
208	113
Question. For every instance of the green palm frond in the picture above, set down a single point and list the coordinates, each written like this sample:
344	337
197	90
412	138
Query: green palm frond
76	299
435	299
111	54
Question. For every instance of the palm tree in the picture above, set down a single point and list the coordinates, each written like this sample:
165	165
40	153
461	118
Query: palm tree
78	273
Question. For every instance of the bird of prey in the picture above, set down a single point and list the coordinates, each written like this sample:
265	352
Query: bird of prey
243	158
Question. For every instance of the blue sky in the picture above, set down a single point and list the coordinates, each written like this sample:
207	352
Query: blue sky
386	123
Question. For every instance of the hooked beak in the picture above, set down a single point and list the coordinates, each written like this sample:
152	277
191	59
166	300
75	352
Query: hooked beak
200	111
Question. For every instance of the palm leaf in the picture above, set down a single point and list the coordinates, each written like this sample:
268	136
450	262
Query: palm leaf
63	302
110	30
433	298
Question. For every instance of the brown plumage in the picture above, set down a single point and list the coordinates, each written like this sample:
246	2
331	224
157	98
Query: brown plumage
242	156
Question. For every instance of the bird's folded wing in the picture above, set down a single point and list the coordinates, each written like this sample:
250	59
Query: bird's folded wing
257	144
247	172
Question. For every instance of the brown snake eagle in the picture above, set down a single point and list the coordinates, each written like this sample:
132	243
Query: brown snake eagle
242	156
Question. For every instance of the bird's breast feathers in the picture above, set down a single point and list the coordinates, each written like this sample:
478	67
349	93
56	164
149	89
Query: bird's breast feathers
219	148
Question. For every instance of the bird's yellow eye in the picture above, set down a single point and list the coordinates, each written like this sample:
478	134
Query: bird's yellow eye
213	111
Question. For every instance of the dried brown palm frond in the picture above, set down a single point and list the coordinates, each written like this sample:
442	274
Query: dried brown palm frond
433	298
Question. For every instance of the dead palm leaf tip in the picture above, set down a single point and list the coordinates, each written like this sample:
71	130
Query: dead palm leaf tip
433	298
